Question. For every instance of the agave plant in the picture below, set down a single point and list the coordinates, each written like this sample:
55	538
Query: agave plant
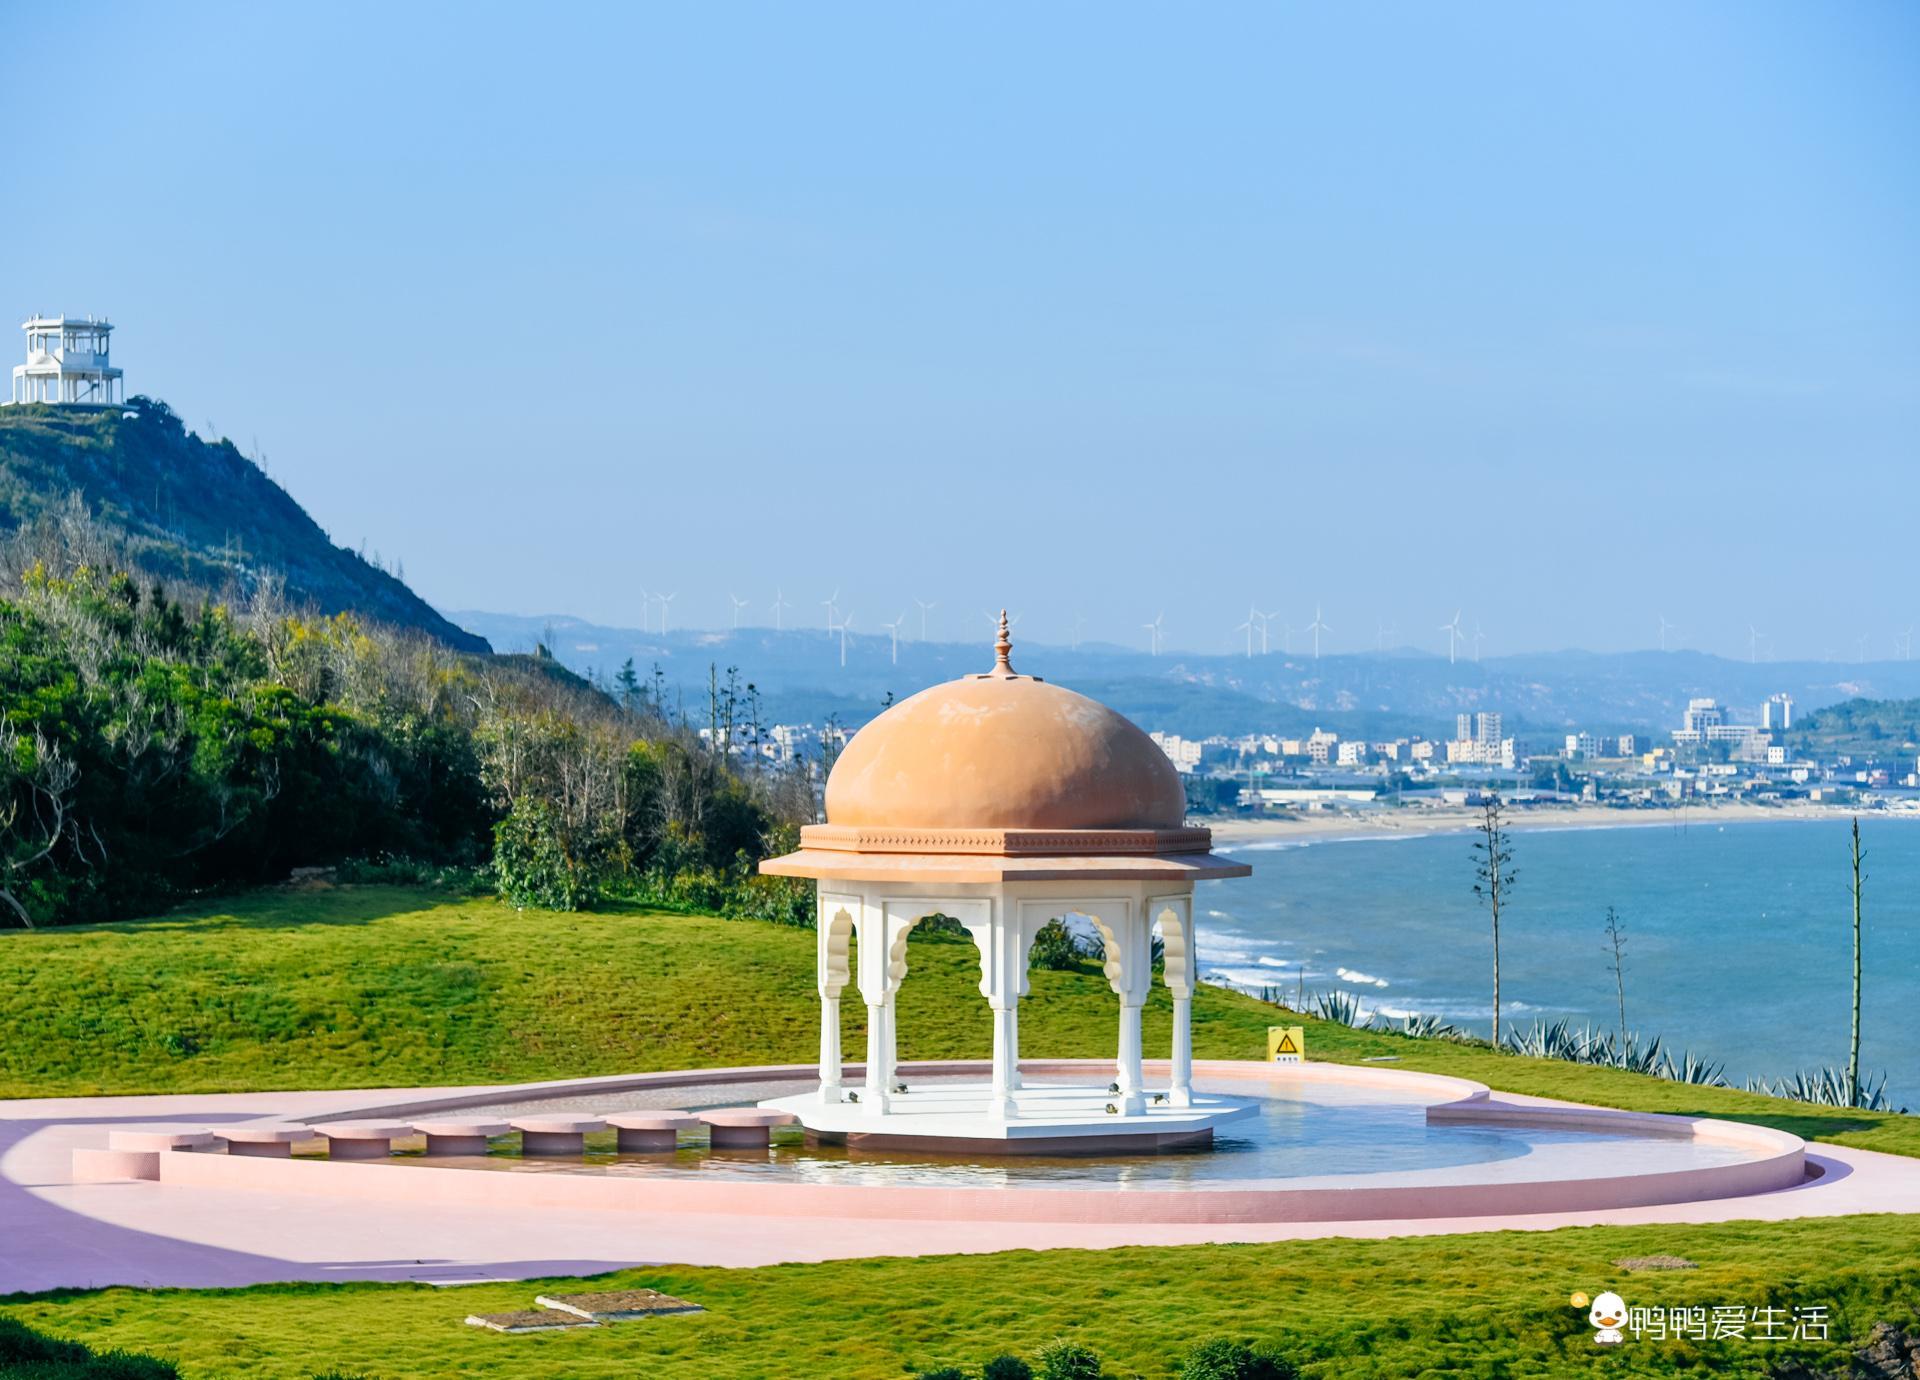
1429	1028
1691	1068
1341	1008
1825	1087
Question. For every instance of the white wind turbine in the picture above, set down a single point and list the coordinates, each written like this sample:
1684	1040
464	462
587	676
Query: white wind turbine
894	628
1753	644
780	605
925	609
1863	640
1905	643
665	599
738	604
1452	630
646	610
846	621
830	603
1316	627
1382	633
1266	624
1477	635
1154	633
1247	627
1665	628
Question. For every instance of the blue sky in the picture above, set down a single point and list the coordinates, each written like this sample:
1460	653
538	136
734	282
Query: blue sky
1569	316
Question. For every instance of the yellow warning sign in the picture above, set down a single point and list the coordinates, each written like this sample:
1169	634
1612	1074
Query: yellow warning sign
1286	1044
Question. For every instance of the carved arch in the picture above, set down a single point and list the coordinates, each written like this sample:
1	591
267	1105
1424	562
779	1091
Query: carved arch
836	943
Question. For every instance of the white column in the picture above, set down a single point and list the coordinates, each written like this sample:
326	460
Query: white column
995	927
876	1097
1133	1099
1174	915
830	1049
893	1041
1180	1084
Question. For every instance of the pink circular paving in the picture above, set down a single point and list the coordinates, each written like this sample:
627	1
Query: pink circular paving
1746	1160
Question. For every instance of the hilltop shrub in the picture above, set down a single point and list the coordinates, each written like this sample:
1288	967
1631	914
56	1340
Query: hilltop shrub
26	1355
1006	1368
531	866
1224	1359
1065	1360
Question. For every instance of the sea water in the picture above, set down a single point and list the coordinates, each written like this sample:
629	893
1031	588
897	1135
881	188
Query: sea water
1738	935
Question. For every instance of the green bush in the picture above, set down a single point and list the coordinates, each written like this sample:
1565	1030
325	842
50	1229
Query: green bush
1065	1360
1224	1359
26	1355
1006	1368
531	866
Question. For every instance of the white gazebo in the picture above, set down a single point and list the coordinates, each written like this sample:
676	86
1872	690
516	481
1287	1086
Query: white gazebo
1005	802
67	362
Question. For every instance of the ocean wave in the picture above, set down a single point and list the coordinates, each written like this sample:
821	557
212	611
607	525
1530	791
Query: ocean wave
1354	975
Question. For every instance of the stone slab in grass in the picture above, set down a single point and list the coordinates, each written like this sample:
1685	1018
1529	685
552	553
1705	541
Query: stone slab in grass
618	1305
530	1320
1654	1262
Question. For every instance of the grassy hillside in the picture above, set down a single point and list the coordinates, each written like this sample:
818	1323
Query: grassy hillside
382	986
1492	1305
192	510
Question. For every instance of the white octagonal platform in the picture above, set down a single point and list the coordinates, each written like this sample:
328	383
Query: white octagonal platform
957	1118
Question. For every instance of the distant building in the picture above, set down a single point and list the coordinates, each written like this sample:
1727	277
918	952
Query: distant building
1183	752
1585	745
1323	747
1353	754
1702	715
1776	715
1629	745
67	363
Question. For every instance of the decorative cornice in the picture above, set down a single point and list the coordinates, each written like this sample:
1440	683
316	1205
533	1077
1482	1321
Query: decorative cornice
1009	843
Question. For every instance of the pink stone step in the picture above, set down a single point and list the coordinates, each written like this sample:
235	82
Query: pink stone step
362	1140
555	1135
650	1131
269	1140
452	1136
159	1140
744	1128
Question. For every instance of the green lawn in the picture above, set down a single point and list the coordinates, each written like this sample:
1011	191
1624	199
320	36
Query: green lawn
1486	1305
384	986
373	986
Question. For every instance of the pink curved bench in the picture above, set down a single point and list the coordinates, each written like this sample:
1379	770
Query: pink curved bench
362	1140
744	1128
650	1131
555	1135
453	1137
267	1140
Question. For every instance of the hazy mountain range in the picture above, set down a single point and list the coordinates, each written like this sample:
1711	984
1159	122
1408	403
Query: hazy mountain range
799	675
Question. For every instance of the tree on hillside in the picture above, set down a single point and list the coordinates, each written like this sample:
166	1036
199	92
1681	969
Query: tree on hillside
36	803
1494	877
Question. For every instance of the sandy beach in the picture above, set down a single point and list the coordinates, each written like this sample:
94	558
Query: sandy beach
1421	819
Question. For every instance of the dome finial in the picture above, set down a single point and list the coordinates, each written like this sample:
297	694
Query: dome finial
1003	648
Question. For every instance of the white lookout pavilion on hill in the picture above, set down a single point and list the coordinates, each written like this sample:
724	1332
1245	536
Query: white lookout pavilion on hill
1004	803
67	363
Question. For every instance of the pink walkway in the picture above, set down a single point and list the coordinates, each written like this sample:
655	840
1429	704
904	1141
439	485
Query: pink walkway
59	1233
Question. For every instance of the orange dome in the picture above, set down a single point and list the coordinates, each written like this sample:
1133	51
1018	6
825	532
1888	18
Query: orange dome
1002	751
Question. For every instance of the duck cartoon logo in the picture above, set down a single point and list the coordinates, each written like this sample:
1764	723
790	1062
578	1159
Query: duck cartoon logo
1608	1312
